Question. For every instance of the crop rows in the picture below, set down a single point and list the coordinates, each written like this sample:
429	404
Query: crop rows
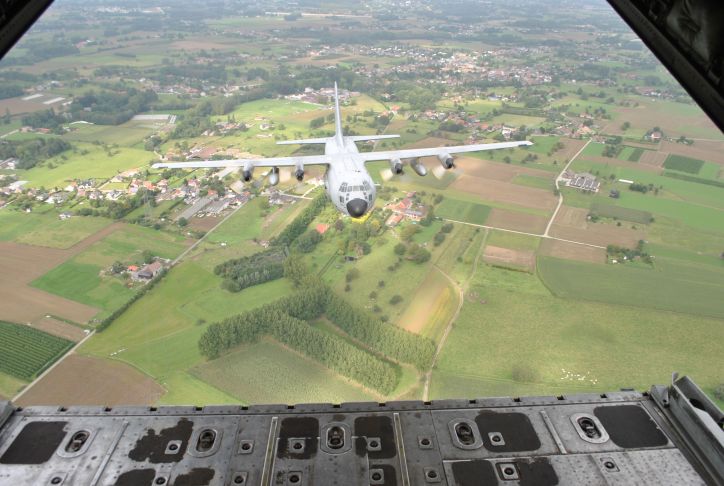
25	352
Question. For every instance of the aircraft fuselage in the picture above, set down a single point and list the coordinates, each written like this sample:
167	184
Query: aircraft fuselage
349	185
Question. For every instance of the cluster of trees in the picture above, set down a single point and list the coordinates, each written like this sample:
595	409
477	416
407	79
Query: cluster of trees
623	254
240	273
108	108
331	351
439	237
308	241
317	122
196	120
210	72
300	223
10	91
37	51
285	321
43	119
31	152
419	97
643	188
414	252
612	147
311	302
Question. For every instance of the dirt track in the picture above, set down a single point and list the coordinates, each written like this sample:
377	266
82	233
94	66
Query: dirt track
84	380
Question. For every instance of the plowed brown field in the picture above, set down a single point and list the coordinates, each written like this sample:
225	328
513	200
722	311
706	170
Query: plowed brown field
83	380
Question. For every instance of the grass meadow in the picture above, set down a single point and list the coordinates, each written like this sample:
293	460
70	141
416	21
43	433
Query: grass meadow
516	338
44	228
465	211
95	164
672	285
267	372
81	278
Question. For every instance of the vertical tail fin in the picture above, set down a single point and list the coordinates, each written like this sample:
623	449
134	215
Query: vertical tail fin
337	115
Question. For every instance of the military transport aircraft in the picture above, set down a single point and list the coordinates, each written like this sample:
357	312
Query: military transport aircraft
349	185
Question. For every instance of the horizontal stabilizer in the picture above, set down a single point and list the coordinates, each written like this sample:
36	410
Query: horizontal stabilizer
365	138
303	141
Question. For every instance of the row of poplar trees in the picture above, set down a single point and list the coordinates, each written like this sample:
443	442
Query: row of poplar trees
286	321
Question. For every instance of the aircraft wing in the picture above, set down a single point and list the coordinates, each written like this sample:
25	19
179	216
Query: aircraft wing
292	161
427	152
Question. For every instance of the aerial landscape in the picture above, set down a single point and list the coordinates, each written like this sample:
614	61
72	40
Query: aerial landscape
589	261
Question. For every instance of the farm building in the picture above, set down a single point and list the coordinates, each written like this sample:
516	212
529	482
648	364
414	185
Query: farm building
585	182
149	271
406	208
217	206
394	219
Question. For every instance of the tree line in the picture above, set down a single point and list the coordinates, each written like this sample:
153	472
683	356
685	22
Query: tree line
300	223
107	108
312	301
30	152
240	273
329	350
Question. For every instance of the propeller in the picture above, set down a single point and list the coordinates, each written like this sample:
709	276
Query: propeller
439	171
386	174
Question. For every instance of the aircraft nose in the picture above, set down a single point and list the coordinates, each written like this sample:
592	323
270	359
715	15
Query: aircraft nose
357	208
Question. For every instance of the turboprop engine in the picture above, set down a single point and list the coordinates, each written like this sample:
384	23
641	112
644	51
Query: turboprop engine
446	160
274	176
247	171
396	166
417	166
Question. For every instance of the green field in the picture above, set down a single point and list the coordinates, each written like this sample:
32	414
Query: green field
10	385
128	134
81	282
245	374
616	212
96	164
373	268
635	154
81	279
25	352
522	341
683	164
180	308
594	149
513	241
692	202
670	285
465	211
44	228
533	181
